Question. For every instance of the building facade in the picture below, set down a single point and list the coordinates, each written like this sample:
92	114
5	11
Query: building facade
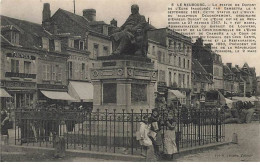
173	52
211	61
31	62
201	80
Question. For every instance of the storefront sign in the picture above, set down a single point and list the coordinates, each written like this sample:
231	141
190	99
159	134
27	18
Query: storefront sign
20	75
51	86
18	84
20	55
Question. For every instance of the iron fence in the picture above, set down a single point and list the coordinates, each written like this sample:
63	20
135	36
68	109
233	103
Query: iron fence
110	130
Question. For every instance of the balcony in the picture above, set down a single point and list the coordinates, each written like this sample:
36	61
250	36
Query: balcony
20	75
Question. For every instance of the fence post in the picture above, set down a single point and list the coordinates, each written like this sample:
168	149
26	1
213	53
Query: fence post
217	125
132	131
90	131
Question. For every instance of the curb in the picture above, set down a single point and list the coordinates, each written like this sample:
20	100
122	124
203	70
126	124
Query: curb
108	156
197	149
75	153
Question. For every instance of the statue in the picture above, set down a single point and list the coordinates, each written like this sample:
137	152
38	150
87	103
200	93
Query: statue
131	37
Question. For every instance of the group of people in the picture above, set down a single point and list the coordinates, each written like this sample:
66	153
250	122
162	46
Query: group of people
151	138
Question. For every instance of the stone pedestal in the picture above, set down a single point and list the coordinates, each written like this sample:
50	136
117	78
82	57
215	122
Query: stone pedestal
123	82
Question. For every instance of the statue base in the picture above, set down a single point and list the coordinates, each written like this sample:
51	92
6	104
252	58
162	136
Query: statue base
123	82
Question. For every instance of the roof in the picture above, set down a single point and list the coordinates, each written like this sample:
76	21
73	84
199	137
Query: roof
227	70
80	22
200	74
30	33
197	67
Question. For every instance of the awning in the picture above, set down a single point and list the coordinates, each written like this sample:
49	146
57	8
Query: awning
57	95
173	94
82	91
3	93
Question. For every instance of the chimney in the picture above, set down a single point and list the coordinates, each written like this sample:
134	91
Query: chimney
46	12
199	42
113	22
236	66
229	65
90	14
208	46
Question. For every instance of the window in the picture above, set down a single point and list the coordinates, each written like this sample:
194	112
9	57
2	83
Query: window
81	45
179	46
188	81
179	61
71	43
163	57
14	66
153	51
95	50
162	75
170	78
175	45
109	92
83	68
46	72
54	70
183	81
27	67
159	56
70	69
105	51
15	38
174	62
57	45
188	64
138	93
179	80
105	30
174	77
45	43
59	70
184	65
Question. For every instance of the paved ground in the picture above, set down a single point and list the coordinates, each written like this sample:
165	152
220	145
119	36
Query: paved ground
247	149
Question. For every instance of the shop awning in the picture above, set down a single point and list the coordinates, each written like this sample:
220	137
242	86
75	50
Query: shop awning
173	94
82	91
57	95
3	93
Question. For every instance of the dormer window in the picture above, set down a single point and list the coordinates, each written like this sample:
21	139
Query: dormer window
57	45
45	43
105	30
81	45
15	37
71	43
78	44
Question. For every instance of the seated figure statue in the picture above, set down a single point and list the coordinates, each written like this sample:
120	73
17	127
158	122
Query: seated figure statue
131	37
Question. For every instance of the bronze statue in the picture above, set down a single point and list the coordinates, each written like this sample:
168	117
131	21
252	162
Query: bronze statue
131	37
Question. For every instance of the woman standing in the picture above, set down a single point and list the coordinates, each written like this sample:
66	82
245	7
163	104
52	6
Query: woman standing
170	146
155	133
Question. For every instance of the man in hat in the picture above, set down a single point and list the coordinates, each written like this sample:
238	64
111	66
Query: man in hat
126	35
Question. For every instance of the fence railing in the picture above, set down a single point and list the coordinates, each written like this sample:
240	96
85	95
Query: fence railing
112	131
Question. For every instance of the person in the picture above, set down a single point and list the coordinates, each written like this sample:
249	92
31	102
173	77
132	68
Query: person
170	146
127	34
144	140
4	123
155	133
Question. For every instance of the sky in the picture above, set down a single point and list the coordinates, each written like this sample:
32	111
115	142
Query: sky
155	10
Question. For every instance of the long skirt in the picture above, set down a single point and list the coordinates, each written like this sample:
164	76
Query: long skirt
170	146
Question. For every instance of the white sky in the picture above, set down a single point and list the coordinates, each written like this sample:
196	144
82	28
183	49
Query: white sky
156	10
